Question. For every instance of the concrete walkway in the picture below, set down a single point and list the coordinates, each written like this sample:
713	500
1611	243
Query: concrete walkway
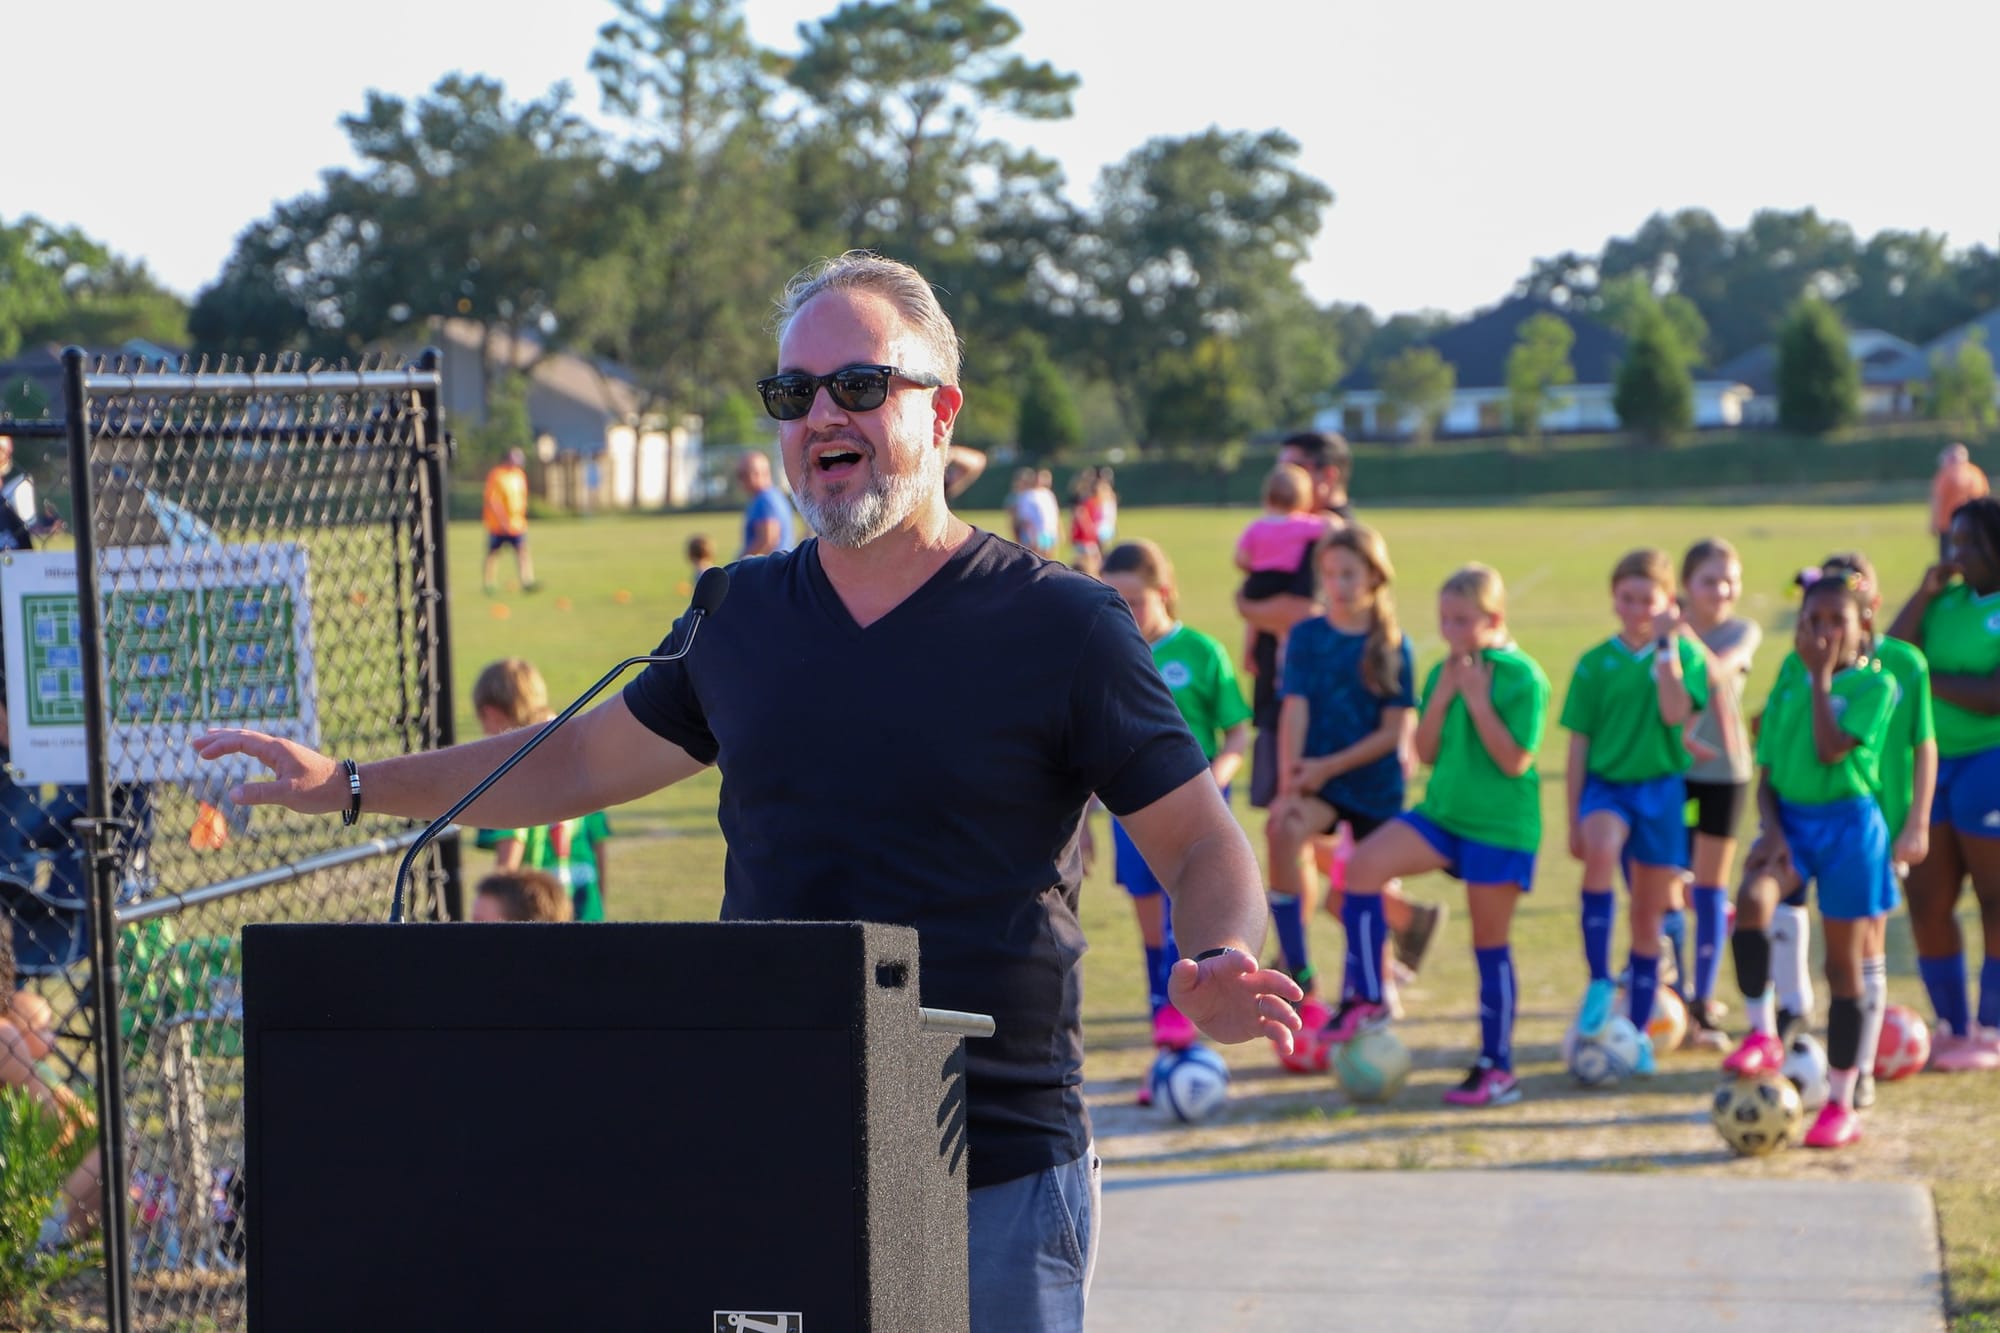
1418	1251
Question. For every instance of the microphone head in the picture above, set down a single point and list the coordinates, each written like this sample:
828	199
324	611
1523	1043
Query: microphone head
710	589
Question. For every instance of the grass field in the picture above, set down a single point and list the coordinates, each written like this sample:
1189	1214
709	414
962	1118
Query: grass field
613	584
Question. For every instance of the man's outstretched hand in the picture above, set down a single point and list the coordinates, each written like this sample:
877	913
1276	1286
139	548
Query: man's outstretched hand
301	779
1232	999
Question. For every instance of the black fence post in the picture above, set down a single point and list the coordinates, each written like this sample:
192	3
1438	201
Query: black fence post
103	844
434	592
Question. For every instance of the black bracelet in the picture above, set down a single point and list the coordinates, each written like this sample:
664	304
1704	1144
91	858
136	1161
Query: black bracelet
1216	952
353	810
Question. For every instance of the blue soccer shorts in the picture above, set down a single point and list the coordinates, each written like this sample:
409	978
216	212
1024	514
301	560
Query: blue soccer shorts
1968	793
1843	848
1654	813
1473	861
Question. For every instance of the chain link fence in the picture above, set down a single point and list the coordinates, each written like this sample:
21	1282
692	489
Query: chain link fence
252	547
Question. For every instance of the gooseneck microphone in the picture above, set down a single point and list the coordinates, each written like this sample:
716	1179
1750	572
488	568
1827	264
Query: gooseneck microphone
709	591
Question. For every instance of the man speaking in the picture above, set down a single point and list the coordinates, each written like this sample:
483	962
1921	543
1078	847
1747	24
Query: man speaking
909	715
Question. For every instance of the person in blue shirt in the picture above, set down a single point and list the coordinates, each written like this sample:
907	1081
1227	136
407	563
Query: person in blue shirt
767	519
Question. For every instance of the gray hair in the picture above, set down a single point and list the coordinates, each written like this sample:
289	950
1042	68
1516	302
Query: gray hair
894	281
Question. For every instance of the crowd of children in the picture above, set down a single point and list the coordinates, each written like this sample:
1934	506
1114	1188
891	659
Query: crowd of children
1860	796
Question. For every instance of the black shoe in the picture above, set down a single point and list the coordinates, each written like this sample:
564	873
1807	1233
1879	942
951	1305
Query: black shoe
1789	1025
1411	943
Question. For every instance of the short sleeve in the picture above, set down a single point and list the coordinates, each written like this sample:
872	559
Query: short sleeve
663	699
1406	678
1127	739
1751	640
1923	717
1243	542
1580	704
1299	654
1866	717
1522	700
1230	706
1694	671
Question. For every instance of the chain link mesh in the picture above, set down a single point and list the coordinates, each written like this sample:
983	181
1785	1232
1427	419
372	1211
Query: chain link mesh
265	547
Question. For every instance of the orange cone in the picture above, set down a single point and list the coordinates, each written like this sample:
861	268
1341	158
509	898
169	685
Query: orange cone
210	830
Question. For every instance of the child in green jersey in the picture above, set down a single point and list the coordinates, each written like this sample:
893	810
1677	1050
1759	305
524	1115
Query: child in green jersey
507	696
1628	700
1819	749
1201	678
1909	778
1484	708
1954	617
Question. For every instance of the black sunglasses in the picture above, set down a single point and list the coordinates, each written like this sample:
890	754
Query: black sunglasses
853	389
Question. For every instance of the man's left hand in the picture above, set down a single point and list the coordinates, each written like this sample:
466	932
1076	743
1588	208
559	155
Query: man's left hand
1232	999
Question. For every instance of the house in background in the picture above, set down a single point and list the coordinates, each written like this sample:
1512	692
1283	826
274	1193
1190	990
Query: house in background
1945	346
1478	349
1894	373
598	451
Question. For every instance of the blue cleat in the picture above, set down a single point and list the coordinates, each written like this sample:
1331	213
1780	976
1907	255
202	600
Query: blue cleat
1596	1010
1644	1066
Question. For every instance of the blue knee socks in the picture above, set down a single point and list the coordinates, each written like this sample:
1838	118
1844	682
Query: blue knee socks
1711	934
1944	979
1362	914
1645	985
1600	913
1496	1006
1289	920
1989	993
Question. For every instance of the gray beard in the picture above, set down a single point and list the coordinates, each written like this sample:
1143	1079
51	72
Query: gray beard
854	520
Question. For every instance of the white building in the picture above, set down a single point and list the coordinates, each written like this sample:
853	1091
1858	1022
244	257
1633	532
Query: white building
1478	349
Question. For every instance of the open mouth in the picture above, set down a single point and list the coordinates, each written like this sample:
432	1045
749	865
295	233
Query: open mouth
837	459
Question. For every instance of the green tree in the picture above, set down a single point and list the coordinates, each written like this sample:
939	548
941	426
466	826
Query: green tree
1200	396
1536	367
1625	304
1048	422
1418	383
1654	393
693	234
1962	385
57	285
895	156
1195	238
1819	385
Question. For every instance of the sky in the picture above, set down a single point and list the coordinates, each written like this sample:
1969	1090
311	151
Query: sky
1461	138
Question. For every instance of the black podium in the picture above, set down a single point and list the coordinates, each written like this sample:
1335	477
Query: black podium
730	1126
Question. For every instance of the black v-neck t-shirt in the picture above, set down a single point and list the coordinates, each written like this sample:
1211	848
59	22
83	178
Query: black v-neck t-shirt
931	770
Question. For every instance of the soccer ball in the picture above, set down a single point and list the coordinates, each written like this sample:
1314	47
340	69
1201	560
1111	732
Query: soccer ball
1372	1067
1669	1023
1192	1084
1601	1062
1805	1066
1758	1115
1310	1052
1905	1047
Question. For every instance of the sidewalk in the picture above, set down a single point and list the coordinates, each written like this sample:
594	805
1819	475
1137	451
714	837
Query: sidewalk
1419	1251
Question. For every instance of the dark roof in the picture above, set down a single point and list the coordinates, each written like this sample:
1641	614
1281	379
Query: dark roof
1891	362
1478	348
1757	368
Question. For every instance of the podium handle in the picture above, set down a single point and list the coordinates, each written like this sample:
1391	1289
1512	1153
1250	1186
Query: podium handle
956	1022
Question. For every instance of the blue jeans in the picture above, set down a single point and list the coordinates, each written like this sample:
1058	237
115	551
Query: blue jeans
1033	1245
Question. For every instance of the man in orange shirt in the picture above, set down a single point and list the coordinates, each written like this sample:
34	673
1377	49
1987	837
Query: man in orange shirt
1958	480
505	511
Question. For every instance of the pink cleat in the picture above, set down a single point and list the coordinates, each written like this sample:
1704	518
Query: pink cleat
1174	1030
1485	1086
1759	1053
1309	1053
1836	1127
1355	1017
1953	1054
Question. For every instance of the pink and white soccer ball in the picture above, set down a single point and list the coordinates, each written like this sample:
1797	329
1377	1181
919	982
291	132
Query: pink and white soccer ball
1906	1044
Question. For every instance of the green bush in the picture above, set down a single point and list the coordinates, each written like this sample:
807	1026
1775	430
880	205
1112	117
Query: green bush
39	1149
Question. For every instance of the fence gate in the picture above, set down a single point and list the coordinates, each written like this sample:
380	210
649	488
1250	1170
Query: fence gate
259	547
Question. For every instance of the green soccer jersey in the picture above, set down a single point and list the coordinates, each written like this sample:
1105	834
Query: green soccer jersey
1614	698
1910	725
538	853
1863	698
1962	638
1202	680
1468	795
